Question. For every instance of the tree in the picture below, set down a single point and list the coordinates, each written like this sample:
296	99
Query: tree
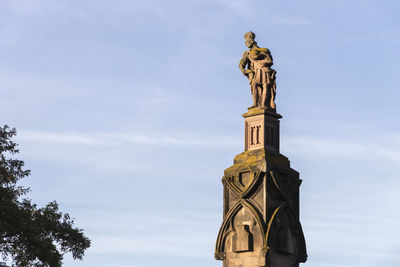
29	235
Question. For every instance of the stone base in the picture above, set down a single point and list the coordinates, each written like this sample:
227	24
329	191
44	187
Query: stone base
261	225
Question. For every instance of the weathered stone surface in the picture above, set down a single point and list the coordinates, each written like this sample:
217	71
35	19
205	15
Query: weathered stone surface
256	66
261	129
261	225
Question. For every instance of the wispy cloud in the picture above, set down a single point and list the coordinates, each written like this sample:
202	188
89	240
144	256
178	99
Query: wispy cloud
304	145
361	227
164	244
134	137
189	235
364	150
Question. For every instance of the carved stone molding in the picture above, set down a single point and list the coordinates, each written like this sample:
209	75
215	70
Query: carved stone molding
228	226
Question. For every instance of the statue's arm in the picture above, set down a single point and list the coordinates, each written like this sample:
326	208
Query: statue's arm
265	55
270	55
244	62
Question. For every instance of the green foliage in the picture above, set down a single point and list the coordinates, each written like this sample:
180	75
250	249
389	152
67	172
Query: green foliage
29	235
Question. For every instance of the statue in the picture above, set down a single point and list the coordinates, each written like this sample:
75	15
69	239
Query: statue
256	66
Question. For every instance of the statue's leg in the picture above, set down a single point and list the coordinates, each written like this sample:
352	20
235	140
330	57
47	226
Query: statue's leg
264	95
272	89
254	94
259	97
273	106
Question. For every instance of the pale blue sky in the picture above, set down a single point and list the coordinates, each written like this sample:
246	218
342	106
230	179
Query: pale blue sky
129	111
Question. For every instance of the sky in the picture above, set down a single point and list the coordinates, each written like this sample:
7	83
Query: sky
129	111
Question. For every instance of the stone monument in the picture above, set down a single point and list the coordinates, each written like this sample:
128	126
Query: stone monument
261	226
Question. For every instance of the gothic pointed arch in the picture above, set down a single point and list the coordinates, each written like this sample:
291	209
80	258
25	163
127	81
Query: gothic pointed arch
228	227
285	235
243	190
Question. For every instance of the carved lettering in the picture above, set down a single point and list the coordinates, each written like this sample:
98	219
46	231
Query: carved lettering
258	135
252	135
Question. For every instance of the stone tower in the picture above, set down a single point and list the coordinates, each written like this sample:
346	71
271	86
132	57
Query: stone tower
261	226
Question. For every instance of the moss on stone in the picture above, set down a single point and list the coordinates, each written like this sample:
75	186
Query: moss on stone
258	159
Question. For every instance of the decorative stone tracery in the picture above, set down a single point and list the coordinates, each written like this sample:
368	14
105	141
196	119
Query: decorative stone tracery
261	225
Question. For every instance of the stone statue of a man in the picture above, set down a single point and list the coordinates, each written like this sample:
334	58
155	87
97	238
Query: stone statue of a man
256	66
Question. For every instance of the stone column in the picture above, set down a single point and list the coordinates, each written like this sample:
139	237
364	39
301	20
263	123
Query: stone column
260	226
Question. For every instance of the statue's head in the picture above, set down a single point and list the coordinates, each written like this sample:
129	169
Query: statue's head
249	37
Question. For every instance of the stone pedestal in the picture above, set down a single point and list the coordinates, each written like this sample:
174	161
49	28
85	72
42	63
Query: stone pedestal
261	225
261	129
